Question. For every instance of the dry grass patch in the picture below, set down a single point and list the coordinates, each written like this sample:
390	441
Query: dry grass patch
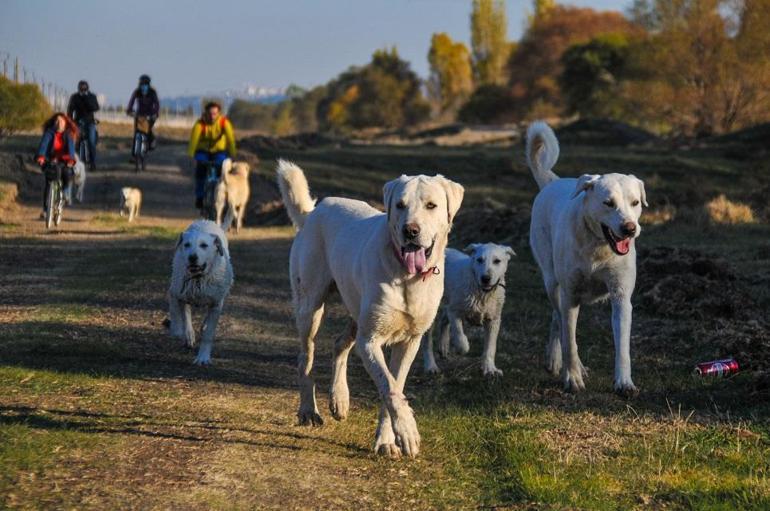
724	211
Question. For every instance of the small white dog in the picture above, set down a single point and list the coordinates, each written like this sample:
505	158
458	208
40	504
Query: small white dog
582	237
201	276
130	202
383	265
79	178
474	292
232	193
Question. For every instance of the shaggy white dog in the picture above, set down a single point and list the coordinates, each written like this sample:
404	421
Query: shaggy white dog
130	202
582	237
79	178
232	194
383	265
474	292
201	276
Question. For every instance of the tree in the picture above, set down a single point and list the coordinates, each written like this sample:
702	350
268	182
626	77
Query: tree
489	104
592	74
489	43
536	64
22	107
451	75
283	124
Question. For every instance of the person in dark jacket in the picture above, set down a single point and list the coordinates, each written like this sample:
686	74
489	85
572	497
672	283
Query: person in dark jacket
147	105
60	134
81	109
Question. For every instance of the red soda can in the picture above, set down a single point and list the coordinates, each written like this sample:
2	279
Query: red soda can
717	368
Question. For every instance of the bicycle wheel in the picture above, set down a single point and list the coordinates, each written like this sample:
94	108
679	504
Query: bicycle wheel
59	209
211	210
50	204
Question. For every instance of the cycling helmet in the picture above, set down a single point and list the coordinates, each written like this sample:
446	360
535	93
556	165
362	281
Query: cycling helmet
144	79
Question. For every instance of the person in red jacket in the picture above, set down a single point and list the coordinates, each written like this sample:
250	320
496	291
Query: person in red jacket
60	133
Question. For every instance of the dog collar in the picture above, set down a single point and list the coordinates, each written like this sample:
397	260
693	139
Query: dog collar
433	270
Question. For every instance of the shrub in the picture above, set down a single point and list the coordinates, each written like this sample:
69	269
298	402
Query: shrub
22	107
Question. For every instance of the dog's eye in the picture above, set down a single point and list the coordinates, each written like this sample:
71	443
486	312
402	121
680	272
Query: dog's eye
609	203
635	203
400	205
430	205
204	245
480	260
187	245
496	261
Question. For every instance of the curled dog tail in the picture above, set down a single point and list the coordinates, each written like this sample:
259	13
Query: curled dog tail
295	192
227	166
542	152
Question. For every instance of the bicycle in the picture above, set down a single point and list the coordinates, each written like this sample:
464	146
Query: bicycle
213	176
84	150
54	199
141	141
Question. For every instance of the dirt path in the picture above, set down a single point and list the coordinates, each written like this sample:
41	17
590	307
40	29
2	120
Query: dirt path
131	423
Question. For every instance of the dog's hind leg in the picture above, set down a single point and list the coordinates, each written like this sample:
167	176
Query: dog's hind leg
339	401
309	316
207	335
189	331
553	349
443	335
428	358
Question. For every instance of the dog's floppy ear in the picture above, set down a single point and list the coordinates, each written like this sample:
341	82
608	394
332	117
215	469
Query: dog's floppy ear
218	244
642	193
585	182
509	251
470	249
179	241
389	190
454	196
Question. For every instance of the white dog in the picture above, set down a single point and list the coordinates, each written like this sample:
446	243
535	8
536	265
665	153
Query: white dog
383	266
474	291
79	178
582	237
130	202
202	276
232	193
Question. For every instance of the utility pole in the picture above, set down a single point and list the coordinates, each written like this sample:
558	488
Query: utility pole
16	71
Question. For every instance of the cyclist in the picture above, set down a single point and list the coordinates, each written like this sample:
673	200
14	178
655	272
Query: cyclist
60	133
81	108
212	140
147	105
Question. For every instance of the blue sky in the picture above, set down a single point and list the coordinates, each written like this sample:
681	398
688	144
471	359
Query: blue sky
195	46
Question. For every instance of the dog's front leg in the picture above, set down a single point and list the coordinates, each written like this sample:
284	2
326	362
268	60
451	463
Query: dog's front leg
459	339
207	335
491	329
621	331
189	331
175	318
397	429
572	370
428	359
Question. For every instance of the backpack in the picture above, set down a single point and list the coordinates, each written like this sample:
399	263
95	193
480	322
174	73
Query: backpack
222	120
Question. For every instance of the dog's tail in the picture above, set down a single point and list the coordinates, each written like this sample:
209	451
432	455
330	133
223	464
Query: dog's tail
295	192
542	152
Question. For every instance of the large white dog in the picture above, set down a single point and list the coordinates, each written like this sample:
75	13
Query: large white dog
232	194
474	292
383	265
582	237
201	276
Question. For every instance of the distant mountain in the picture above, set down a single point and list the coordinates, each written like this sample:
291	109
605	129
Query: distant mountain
252	93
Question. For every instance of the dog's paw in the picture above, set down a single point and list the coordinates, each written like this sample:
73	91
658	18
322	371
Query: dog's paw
573	379
490	371
312	418
625	387
202	360
461	344
432	368
389	450
553	365
405	430
339	404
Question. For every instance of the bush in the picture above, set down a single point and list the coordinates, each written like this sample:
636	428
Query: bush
489	104
22	107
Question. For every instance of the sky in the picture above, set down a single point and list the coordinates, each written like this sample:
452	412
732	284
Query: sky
191	47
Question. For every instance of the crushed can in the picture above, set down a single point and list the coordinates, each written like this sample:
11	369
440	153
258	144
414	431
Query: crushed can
718	368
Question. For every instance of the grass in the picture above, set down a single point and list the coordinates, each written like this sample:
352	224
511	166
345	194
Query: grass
102	410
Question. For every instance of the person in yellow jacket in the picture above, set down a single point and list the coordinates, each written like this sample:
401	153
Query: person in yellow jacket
212	140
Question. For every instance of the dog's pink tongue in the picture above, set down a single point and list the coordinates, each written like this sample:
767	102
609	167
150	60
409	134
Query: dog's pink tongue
415	261
623	246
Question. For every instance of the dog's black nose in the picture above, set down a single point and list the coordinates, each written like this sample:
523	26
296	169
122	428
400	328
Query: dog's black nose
486	279
411	231
628	228
193	258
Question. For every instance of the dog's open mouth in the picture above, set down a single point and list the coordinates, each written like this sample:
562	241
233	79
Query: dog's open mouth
619	245
415	257
196	270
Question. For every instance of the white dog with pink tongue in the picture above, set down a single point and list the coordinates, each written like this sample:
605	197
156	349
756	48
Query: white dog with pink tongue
383	266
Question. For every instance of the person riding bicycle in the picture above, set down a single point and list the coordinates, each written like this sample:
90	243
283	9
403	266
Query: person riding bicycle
147	105
81	108
60	133
212	140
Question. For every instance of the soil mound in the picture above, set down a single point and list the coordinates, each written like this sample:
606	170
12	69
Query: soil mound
604	132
